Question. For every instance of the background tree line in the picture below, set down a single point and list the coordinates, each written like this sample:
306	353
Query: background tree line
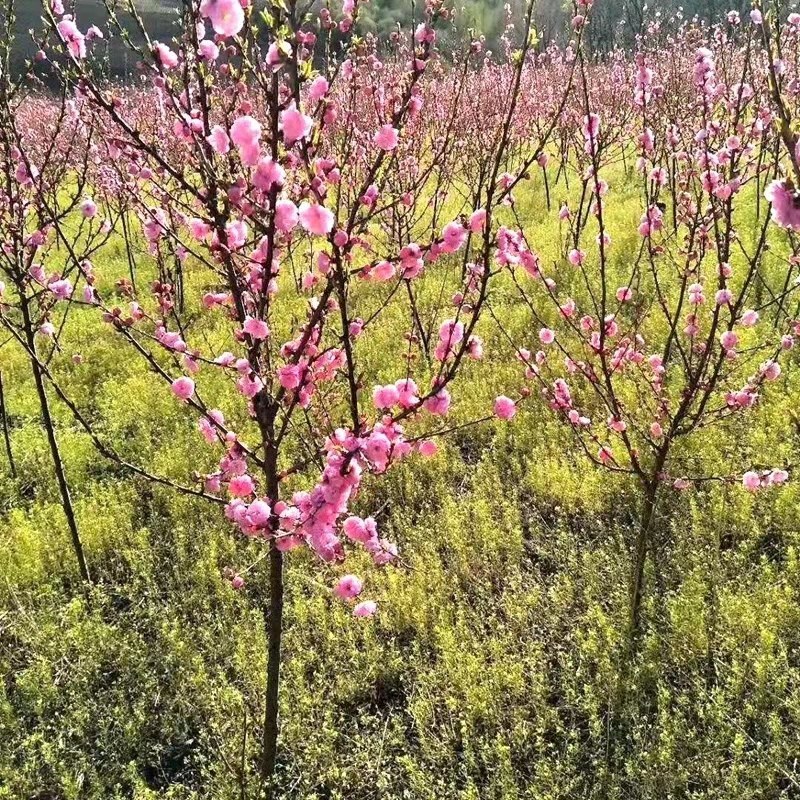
615	23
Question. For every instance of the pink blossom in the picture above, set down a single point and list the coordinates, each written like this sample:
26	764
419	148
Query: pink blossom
236	234
245	133
241	486
386	138
751	481
385	396
208	50
624	294
749	318
576	257
428	448
286	215
72	37
62	289
249	386
183	388
227	16
547	336
295	125
166	57
267	174
277	54
366	608
316	219
785	205
771	370
451	332
154	226
411	261
438	404
219	140
348	587
696	295
408	392
290	376
475	348
504	407
258	514
382	271
318	89
256	328
206	425
477	220
591	126
358	530
424	33
778	476
656	431
454	235
199	229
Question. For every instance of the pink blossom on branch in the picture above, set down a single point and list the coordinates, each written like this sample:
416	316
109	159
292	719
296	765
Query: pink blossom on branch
295	125
219	140
386	138
785	204
183	388
316	219
504	408
226	16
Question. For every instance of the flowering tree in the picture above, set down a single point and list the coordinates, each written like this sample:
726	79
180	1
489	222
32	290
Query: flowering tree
307	203
641	358
780	44
43	181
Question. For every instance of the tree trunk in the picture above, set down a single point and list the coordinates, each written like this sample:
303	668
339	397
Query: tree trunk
636	592
6	436
627	650
58	464
273	609
637	568
274	625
